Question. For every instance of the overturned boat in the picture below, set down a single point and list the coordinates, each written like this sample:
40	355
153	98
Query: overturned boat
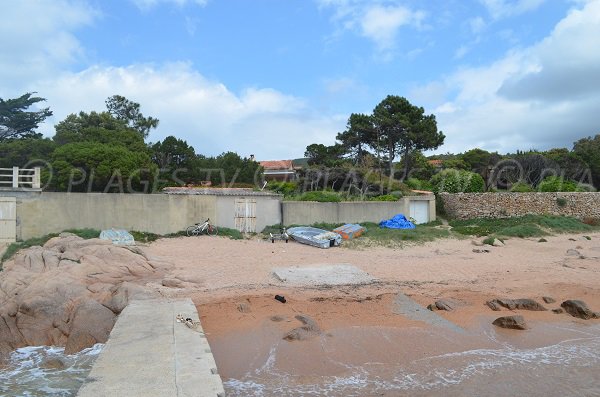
315	237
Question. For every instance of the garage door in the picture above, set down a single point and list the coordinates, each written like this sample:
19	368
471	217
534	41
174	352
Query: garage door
8	219
419	211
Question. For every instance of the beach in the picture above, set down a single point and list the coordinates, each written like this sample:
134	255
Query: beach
358	345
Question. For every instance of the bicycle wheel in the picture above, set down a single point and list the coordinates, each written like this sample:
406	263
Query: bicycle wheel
212	230
192	230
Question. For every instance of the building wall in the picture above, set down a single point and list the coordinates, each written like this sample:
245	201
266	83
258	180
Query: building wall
309	212
503	205
50	212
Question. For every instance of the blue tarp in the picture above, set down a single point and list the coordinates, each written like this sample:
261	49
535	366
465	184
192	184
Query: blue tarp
397	222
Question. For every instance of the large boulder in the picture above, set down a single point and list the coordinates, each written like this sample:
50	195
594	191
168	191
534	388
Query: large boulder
68	292
511	322
442	304
515	304
577	308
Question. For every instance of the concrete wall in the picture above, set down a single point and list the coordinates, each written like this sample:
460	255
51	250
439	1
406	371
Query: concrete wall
503	205
43	213
309	212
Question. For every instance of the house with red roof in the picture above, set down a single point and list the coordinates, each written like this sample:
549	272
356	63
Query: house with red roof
278	170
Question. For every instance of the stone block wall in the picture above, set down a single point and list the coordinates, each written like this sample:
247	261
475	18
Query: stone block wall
580	205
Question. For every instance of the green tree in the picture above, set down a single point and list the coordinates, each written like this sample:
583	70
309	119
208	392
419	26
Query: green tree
25	152
16	122
403	128
129	112
359	134
328	156
588	149
101	167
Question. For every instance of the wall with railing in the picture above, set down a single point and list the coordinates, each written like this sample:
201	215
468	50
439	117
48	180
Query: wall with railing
20	178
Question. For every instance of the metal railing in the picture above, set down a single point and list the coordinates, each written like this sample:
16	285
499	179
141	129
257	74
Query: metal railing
15	177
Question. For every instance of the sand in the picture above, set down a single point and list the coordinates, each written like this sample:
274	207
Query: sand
232	285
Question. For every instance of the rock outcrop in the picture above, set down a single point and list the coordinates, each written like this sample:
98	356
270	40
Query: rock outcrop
309	330
514	304
441	304
69	292
511	322
579	309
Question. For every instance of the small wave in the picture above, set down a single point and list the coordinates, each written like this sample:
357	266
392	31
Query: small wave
46	371
566	368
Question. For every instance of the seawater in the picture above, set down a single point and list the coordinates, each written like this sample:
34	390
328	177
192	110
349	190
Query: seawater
28	373
570	367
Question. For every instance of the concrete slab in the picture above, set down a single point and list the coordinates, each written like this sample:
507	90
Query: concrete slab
150	354
338	274
405	306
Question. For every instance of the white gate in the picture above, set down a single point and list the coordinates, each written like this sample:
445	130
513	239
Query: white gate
8	219
419	211
245	215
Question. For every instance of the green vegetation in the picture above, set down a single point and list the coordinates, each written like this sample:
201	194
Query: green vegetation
233	234
521	187
321	196
456	181
145	237
526	226
557	184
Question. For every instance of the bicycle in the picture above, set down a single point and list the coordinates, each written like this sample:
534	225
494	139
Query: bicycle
200	228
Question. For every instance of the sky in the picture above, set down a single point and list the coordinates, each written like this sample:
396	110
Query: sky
269	77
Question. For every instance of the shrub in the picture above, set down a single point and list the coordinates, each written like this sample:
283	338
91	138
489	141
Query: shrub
457	181
321	196
521	187
558	184
285	188
418	184
385	197
561	201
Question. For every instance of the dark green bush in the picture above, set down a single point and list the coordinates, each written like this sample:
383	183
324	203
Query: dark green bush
321	196
457	181
385	197
558	184
285	188
418	184
521	187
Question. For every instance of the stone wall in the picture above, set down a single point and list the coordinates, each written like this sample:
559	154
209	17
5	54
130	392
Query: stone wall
504	205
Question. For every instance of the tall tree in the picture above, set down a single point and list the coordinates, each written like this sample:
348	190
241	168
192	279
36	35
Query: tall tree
128	111
404	128
359	134
588	149
16	121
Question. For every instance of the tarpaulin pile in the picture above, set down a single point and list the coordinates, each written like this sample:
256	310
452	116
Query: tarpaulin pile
397	222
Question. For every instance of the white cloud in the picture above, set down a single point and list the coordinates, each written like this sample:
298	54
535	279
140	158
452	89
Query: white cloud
44	44
543	96
373	20
205	113
506	8
145	5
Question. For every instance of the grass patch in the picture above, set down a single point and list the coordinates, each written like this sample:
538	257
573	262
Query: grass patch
525	226
395	237
233	234
144	237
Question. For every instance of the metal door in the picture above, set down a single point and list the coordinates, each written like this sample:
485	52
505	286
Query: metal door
8	219
245	215
419	211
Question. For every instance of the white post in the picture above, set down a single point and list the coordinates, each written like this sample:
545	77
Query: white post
36	178
15	177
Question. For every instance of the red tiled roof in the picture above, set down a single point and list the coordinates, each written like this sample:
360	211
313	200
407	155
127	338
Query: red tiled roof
436	162
277	165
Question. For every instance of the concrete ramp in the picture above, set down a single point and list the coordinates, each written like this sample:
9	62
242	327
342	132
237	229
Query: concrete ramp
150	354
340	274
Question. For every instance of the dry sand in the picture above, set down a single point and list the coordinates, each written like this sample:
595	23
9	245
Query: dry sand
232	285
